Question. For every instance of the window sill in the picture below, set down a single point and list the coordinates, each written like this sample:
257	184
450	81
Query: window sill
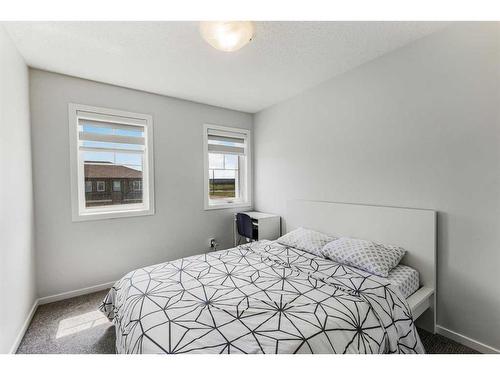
227	206
112	215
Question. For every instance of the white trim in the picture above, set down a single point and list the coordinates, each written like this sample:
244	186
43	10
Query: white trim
467	341
75	293
54	298
24	328
247	203
228	205
78	210
113	214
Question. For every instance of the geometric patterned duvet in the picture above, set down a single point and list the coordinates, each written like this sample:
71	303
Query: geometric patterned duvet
260	297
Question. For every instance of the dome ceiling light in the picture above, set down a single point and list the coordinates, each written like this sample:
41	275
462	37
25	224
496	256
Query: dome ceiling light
227	36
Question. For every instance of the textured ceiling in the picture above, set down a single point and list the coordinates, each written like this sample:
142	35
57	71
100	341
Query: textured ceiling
170	58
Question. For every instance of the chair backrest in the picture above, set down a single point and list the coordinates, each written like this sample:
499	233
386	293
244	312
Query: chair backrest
244	225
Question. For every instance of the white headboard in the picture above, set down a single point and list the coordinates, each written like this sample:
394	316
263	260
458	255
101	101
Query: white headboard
413	229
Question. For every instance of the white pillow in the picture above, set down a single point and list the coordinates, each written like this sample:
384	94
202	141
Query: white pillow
369	256
306	240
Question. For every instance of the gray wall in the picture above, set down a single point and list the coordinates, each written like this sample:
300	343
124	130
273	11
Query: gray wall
419	127
73	255
17	289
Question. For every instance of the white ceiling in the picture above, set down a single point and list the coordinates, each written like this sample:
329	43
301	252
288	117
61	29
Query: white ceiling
170	58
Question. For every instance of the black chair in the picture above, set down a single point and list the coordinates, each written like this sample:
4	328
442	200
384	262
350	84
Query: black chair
245	226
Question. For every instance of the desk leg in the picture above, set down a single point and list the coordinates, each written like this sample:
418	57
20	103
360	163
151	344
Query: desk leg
234	231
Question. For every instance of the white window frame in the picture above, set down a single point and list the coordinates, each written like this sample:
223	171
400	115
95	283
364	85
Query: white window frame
79	211
246	190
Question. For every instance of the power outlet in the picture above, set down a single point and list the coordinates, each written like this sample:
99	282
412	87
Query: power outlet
213	244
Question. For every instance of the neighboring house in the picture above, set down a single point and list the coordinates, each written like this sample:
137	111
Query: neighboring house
108	184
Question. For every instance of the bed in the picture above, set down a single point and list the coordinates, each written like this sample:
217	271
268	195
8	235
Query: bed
264	297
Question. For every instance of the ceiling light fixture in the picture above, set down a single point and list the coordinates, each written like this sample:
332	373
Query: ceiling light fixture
227	36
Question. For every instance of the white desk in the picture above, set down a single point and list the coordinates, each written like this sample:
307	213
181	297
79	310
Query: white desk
268	226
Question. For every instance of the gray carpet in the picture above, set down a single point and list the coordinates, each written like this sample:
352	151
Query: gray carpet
437	344
74	326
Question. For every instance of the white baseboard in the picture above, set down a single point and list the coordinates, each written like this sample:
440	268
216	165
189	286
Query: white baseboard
54	298
75	293
467	341
24	328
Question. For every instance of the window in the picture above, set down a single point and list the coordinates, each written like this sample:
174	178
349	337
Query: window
137	185
101	186
88	186
227	167
108	147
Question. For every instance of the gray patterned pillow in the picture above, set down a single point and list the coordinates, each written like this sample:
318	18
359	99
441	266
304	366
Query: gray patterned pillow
306	240
367	255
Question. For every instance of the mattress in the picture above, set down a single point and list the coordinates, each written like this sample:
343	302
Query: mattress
260	297
405	278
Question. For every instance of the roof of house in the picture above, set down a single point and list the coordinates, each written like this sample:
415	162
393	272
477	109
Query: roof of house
108	170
